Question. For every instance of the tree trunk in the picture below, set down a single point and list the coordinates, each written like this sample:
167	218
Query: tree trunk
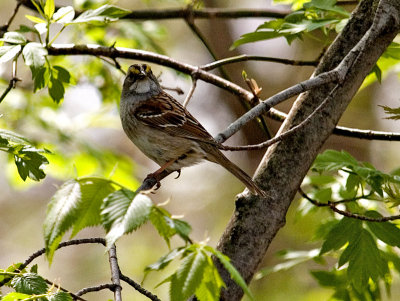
256	221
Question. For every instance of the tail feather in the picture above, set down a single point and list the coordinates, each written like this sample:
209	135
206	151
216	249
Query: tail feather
218	157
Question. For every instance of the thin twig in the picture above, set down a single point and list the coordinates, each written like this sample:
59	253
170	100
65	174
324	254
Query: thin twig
137	287
178	90
95	289
286	134
332	206
95	240
74	296
190	93
346	131
13	81
112	256
4	28
182	13
245	57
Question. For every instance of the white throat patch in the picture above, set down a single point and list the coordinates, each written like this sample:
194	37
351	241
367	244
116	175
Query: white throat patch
140	86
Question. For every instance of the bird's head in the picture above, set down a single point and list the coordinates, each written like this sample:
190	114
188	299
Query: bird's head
140	80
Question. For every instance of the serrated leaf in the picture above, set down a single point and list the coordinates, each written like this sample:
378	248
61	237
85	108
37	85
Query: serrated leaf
49	8
164	261
233	272
30	162
364	259
13	137
189	275
385	231
159	218
29	283
15	296
13	37
93	192
60	296
64	15
104	14
115	207
35	19
331	160
61	214
9	52
345	230
34	55
136	214
210	287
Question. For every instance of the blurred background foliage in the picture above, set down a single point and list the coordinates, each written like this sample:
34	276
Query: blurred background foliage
84	135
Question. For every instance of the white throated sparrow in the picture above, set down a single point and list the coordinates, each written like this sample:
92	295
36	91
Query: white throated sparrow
165	131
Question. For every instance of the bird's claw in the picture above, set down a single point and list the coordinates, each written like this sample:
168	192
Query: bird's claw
179	173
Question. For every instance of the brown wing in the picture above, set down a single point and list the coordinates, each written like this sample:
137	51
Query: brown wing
166	114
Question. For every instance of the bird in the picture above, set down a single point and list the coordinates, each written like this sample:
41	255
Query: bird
165	131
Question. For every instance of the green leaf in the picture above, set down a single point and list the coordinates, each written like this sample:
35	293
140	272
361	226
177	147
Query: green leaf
104	14
35	19
93	192
331	160
333	278
115	207
64	15
365	261
8	53
60	296
385	231
49	9
62	212
255	37
345	230
168	226
378	72
395	112
189	275
56	89
13	37
62	74
137	213
40	78
15	296
210	287
30	161
164	261
29	283
34	55
235	275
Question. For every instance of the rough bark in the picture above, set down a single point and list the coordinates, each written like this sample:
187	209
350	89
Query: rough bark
256	221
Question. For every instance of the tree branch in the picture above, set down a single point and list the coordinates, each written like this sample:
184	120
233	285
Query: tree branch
137	287
183	13
13	81
4	28
245	57
112	255
95	289
332	206
256	220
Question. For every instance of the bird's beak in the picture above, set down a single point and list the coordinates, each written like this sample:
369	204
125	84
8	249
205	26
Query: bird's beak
142	75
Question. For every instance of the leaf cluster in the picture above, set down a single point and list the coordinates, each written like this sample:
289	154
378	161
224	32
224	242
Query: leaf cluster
314	15
28	159
366	251
29	286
